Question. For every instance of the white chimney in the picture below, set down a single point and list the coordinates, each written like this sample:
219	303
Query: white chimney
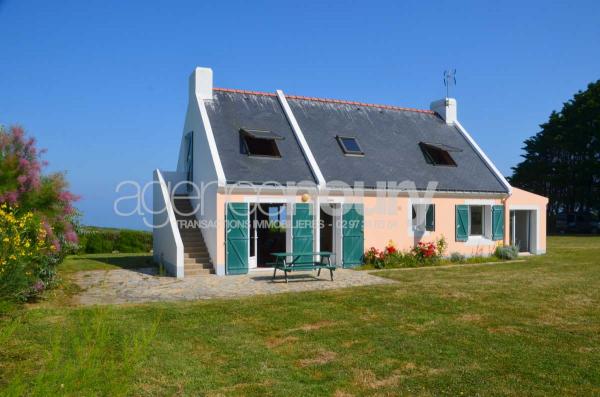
201	83
446	109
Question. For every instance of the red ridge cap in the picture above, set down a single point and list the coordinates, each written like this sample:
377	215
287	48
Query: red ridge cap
326	100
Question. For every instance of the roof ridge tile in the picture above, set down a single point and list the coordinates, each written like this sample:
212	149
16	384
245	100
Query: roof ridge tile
326	100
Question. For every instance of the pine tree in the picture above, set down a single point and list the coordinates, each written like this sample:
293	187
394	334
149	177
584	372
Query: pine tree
562	161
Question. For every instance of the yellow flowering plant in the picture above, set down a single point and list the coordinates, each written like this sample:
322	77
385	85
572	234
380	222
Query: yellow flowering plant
23	247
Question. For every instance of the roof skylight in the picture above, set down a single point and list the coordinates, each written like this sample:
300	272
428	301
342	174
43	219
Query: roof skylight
350	145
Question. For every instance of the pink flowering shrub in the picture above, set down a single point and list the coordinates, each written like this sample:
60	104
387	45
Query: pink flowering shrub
421	254
24	187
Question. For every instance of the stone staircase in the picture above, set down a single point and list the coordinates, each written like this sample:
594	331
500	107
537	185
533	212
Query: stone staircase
196	259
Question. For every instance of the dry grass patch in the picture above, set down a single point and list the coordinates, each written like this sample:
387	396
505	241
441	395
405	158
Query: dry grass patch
314	326
350	343
341	393
366	379
471	318
278	341
415	329
323	357
505	329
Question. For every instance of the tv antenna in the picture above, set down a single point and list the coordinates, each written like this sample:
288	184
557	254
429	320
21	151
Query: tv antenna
449	80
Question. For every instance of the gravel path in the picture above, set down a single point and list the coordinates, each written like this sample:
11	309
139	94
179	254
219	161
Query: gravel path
143	285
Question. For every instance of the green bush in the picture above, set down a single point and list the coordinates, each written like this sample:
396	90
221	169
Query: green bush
102	241
457	257
507	252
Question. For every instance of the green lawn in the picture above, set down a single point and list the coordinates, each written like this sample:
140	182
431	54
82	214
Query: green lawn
511	328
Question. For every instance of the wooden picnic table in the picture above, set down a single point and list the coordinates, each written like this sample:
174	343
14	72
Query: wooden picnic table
297	261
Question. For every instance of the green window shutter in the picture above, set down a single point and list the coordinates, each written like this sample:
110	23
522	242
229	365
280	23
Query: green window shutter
462	222
497	222
237	232
353	239
302	232
430	218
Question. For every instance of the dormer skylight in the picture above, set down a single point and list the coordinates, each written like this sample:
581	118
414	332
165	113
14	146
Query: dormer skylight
259	143
438	154
350	145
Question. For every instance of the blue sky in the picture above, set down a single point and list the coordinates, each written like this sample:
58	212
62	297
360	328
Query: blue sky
103	84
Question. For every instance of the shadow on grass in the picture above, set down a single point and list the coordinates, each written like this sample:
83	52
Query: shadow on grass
108	262
127	262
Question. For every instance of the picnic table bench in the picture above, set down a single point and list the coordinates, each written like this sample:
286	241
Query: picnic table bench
298	261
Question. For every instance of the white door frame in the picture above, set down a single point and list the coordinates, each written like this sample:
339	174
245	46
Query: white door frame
253	260
336	230
534	226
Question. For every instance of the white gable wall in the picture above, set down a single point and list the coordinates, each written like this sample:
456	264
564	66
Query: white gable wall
207	170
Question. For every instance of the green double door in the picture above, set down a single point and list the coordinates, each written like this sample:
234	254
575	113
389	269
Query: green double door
353	235
303	234
237	232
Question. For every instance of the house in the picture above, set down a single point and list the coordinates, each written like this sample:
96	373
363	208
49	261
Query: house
269	172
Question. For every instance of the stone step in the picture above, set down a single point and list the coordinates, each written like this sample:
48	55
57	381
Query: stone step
197	272
195	250
197	259
191	230
192	239
203	257
194	244
191	236
198	266
186	222
190	233
206	265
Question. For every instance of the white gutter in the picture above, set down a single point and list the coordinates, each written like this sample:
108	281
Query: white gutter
301	140
484	157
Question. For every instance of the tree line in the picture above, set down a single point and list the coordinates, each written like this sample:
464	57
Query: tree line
562	161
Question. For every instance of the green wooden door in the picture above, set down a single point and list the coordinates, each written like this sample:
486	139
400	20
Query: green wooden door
302	232
353	238
237	233
497	222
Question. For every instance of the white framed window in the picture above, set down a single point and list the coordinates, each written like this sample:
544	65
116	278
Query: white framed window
476	220
423	217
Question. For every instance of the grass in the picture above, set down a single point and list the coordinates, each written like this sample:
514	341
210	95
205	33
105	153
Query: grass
76	263
527	328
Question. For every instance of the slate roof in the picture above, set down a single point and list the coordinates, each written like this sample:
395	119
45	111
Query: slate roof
388	135
229	112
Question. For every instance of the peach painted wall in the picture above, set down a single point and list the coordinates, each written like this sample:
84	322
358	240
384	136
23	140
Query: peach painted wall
521	199
389	218
382	226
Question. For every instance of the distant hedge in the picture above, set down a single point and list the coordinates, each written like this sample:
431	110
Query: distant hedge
101	241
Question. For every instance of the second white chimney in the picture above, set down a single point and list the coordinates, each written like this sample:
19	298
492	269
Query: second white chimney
446	109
